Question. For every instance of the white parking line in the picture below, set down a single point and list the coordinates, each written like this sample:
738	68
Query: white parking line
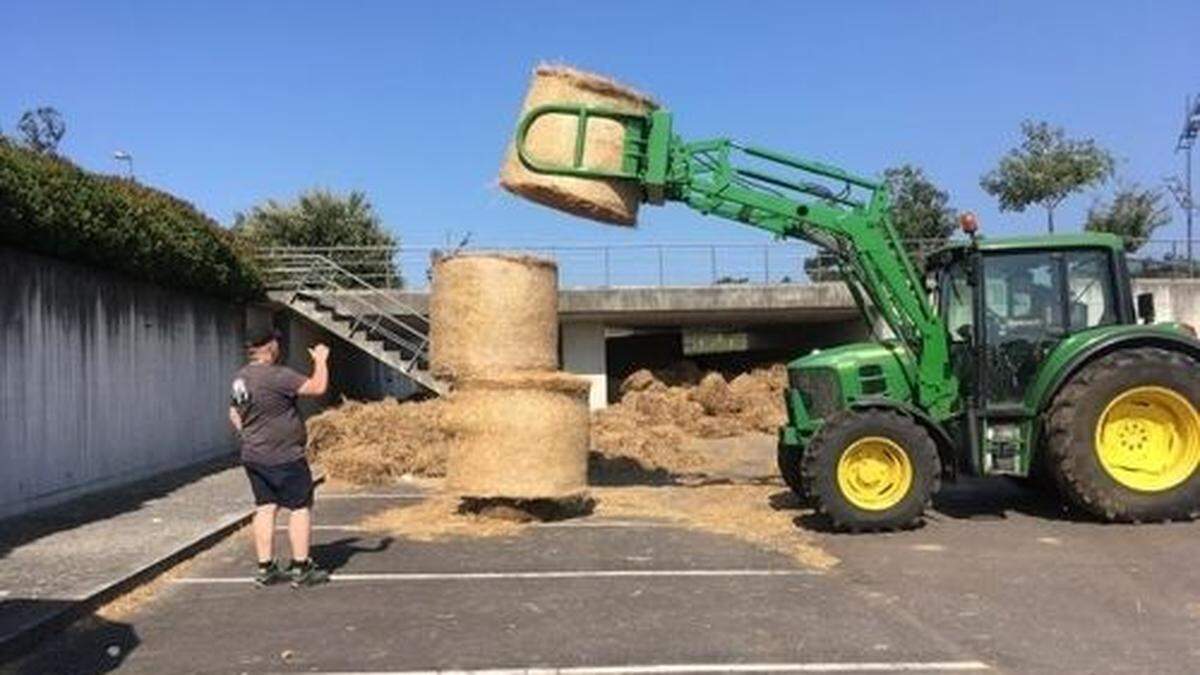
828	667
335	528
365	495
475	576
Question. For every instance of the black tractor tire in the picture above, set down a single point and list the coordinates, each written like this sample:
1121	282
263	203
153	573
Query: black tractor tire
839	432
788	459
1070	436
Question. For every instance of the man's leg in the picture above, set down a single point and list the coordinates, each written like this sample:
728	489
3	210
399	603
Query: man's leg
269	571
300	533
304	571
264	532
299	499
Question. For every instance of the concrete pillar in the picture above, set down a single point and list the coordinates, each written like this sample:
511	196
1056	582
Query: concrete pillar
583	354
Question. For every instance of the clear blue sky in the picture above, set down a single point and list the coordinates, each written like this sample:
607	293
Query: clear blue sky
228	103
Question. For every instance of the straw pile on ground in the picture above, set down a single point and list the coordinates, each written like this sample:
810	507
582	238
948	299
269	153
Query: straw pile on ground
493	313
762	515
551	140
533	439
659	411
379	442
520	436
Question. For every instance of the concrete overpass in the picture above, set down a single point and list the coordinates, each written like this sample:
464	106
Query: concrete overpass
607	331
691	305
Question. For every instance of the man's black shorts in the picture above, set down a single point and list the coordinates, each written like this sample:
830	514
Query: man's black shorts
289	485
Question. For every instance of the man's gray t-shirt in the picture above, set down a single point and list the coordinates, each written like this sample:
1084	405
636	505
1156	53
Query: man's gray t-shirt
265	398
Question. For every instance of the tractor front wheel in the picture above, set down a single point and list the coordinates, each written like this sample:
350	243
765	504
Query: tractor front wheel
871	470
1123	436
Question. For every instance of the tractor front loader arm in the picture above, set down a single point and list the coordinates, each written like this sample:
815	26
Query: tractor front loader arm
846	215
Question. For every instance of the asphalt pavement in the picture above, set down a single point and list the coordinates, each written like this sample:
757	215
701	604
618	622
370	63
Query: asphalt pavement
58	562
996	581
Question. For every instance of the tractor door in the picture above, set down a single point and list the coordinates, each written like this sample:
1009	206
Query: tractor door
956	305
1023	318
1031	300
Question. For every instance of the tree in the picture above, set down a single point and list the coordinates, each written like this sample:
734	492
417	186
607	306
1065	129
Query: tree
920	214
1047	168
1134	214
322	219
42	129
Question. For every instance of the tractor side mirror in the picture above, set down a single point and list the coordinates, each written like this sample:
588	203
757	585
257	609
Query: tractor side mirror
1145	307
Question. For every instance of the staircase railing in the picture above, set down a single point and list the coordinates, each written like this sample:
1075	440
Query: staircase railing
374	310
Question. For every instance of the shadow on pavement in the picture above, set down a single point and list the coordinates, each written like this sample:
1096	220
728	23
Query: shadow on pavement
995	498
90	645
335	554
968	499
28	527
622	471
806	517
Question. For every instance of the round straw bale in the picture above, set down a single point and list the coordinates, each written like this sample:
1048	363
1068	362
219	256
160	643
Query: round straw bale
552	140
522	436
493	313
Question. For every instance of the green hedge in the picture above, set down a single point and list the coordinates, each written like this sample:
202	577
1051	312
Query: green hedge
50	206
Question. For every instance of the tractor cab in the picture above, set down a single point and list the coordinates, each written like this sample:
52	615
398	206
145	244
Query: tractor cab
1010	302
1017	311
1009	305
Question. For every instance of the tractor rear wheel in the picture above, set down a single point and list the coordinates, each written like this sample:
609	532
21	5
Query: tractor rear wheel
1123	436
871	470
787	458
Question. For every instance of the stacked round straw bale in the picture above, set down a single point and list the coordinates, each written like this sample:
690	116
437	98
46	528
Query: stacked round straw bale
521	428
493	314
551	140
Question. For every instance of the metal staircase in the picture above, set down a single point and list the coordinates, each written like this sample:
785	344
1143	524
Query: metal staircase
344	303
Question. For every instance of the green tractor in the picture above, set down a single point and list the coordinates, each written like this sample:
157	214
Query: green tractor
1023	357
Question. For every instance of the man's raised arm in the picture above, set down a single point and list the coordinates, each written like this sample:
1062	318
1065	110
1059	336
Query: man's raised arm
318	382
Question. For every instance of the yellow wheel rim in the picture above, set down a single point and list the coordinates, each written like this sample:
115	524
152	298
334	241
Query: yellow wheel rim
874	473
1148	439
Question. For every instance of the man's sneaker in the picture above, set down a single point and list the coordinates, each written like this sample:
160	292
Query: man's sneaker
270	575
307	574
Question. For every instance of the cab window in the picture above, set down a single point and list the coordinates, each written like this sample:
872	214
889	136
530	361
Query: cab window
1089	281
956	304
1022	295
1023	317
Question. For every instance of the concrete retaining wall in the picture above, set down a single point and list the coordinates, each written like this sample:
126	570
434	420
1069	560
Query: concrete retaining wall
105	380
1174	299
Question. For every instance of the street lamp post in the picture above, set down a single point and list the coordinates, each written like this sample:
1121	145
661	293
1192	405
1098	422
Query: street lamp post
1187	139
123	156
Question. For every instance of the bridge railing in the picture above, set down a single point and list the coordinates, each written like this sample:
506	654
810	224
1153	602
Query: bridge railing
674	264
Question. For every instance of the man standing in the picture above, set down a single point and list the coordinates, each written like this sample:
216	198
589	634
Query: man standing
263	411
